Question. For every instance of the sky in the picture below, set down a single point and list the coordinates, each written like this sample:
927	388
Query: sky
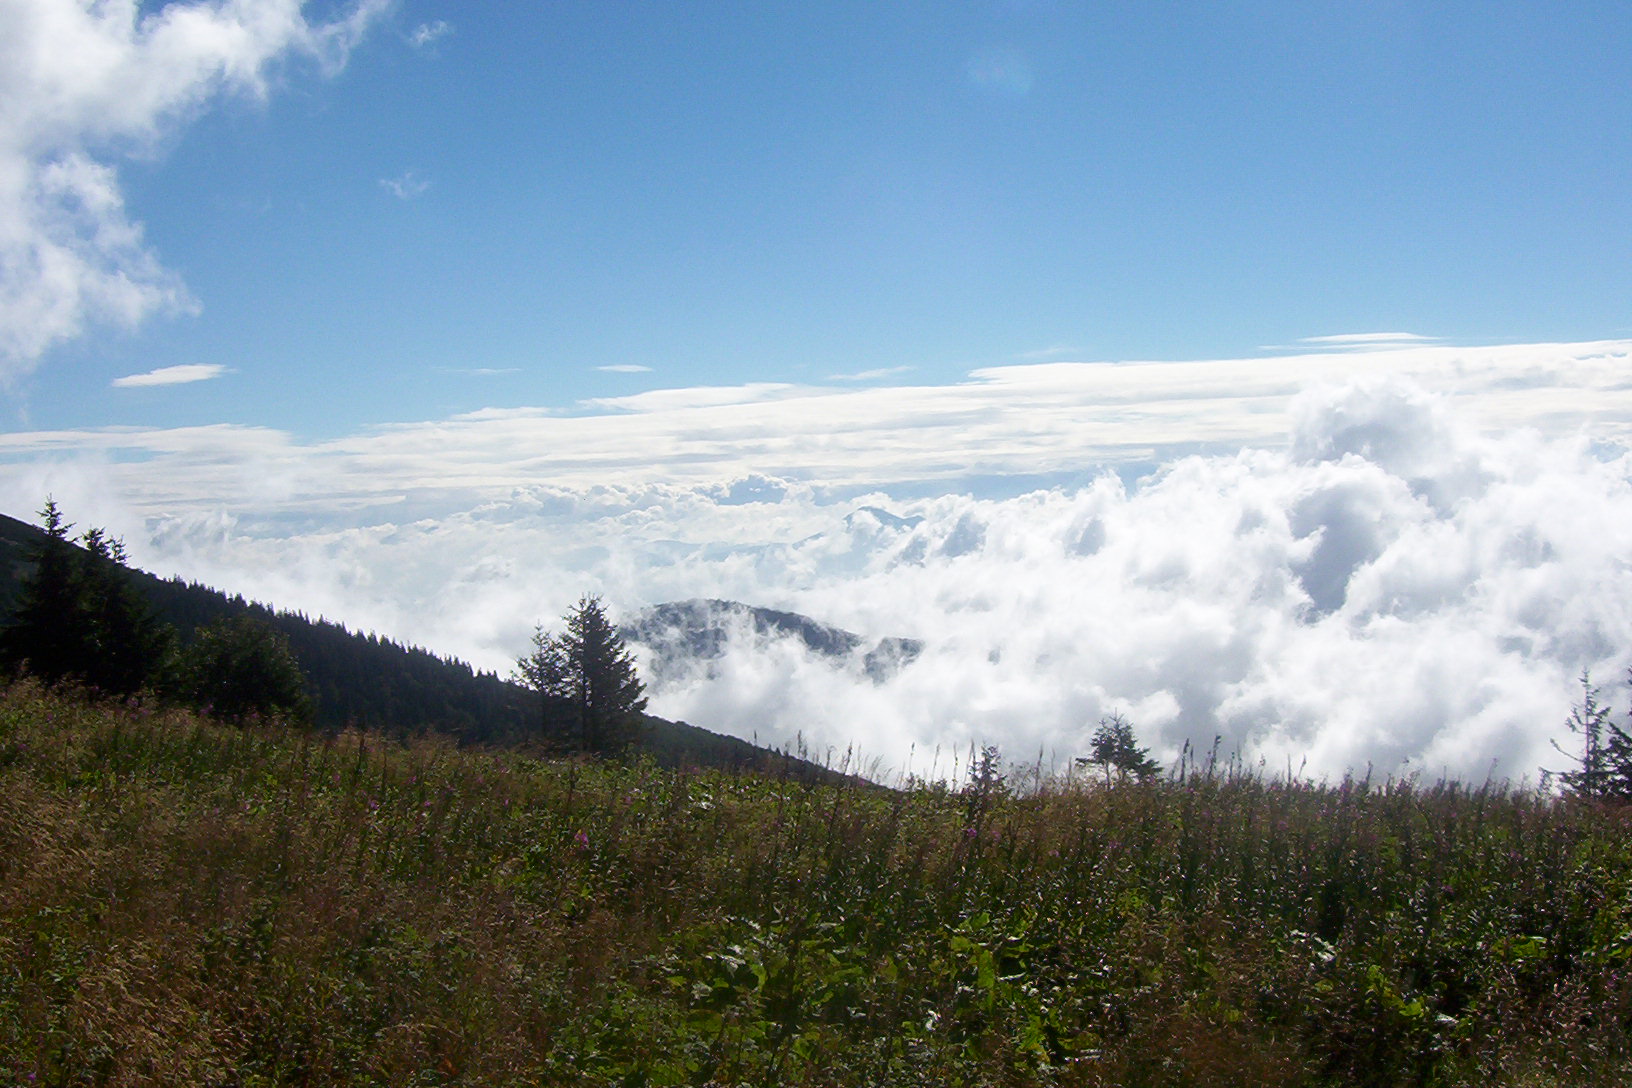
1257	370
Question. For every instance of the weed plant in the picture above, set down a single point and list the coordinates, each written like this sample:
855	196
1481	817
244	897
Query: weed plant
186	903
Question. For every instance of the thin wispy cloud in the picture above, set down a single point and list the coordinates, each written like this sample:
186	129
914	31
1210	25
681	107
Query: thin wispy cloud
480	371
406	186
870	375
624	368
1040	420
1368	340
171	375
1003	72
1057	351
81	78
427	34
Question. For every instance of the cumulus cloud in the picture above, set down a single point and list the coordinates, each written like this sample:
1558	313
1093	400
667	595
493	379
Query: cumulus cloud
1354	607
1405	562
86	83
172	375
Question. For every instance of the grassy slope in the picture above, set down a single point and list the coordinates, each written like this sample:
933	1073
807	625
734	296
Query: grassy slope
183	903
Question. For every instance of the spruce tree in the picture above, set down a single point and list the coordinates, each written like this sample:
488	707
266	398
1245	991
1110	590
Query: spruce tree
47	634
1604	769
128	646
79	619
588	669
1114	747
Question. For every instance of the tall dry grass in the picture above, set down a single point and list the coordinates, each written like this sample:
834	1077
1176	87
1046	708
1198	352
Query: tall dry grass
185	903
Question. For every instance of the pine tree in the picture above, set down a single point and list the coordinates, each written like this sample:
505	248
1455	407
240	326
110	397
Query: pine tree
1114	747
47	634
588	669
1604	768
127	645
79	619
545	671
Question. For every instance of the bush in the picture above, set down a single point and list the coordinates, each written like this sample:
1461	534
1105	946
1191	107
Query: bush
241	667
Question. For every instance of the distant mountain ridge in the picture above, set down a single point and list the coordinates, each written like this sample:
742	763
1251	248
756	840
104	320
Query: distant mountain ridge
680	633
373	683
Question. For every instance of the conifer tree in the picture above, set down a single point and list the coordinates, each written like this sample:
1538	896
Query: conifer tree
1604	768
128	647
243	666
79	618
1115	748
588	669
47	634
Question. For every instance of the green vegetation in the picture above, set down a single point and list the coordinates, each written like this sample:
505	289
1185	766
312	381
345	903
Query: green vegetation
1603	770
588	676
184	902
77	618
1115	749
240	668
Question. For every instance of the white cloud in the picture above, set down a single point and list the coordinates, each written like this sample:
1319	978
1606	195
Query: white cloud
1059	421
86	83
1333	564
427	34
172	375
870	375
406	186
1367	341
625	368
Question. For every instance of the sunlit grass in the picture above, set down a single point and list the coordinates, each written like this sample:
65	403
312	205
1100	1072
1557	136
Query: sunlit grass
186	903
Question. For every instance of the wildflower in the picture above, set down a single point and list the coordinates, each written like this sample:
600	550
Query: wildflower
581	840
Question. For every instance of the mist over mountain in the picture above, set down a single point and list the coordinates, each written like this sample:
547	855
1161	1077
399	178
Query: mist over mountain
679	638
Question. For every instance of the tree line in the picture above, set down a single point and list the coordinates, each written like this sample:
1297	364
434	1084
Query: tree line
79	619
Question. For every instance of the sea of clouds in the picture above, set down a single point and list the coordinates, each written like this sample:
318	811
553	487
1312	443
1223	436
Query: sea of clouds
1366	550
1390	590
1386	585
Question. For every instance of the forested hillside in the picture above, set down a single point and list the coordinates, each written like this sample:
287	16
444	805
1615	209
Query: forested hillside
373	683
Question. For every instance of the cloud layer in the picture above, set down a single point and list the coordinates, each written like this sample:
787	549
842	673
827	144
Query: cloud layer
1363	572
1390	590
171	375
88	82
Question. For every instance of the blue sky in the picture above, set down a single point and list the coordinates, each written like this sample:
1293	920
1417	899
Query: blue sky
1252	369
792	192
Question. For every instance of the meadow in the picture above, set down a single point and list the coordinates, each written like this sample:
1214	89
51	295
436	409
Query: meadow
188	903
